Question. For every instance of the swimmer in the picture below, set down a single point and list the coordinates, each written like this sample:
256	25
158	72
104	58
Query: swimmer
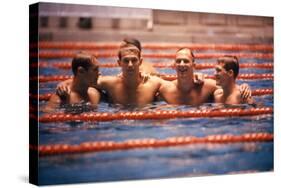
131	87
184	90
227	70
82	89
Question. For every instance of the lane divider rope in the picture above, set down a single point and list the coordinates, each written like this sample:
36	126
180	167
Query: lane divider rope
169	77
240	77
156	115
99	146
199	66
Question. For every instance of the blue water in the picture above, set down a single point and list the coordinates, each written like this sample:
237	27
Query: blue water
189	160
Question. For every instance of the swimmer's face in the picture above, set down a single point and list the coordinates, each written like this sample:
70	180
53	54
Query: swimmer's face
183	62
93	74
130	61
222	76
90	76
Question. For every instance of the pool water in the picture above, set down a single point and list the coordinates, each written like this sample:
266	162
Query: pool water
160	162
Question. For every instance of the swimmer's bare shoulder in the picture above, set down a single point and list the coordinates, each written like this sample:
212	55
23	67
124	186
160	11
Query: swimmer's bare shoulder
166	88
152	77
210	83
168	85
94	95
147	68
159	82
52	104
208	89
218	95
107	81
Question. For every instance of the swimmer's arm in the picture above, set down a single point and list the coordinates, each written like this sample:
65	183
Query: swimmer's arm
159	85
163	89
162	84
211	87
102	82
106	82
63	88
198	78
53	103
217	95
94	96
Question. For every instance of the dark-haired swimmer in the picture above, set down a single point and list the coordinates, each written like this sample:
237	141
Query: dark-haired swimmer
86	72
227	70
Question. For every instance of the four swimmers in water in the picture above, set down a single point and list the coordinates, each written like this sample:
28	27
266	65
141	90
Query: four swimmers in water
136	85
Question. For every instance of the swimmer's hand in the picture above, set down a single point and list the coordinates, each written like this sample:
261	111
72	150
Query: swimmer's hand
246	93
63	88
198	78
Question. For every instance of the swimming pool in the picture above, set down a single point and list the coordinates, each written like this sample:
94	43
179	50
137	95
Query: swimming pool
193	159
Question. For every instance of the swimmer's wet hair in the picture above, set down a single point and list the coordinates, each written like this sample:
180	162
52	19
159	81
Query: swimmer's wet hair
133	41
191	52
130	41
84	60
230	63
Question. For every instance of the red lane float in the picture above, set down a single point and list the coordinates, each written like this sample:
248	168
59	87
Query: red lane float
154	46
43	97
53	78
163	76
68	54
98	146
159	114
258	92
241	65
241	76
199	66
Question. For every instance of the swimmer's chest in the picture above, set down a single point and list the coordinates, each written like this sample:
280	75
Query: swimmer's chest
143	94
76	98
234	98
193	97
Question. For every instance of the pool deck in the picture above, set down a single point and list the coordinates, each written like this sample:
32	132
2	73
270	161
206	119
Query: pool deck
166	26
